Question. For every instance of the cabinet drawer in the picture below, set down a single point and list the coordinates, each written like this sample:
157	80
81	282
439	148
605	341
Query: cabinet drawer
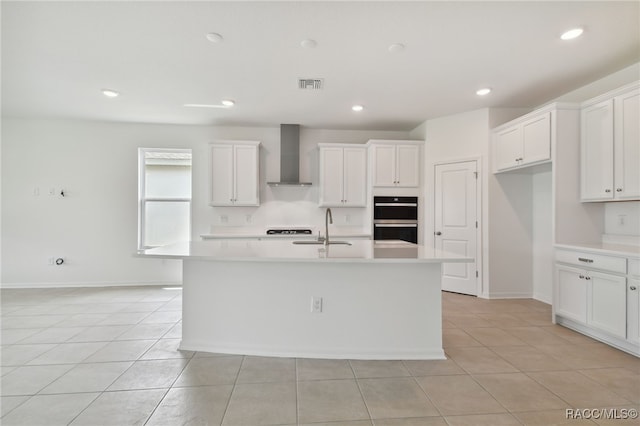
594	261
634	267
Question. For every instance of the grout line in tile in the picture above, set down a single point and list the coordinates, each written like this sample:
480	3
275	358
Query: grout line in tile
233	389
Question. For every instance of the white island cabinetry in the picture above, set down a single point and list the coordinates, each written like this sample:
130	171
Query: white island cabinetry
610	146
343	175
395	163
377	300
233	171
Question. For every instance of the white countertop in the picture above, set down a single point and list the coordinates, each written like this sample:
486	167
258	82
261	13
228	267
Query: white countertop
604	248
281	250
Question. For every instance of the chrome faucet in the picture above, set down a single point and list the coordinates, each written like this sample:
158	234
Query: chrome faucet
328	218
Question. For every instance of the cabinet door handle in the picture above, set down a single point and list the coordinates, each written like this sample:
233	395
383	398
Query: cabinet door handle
587	278
618	189
607	190
438	233
581	276
633	288
584	259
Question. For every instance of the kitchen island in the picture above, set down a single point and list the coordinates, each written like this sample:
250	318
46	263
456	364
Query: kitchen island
365	300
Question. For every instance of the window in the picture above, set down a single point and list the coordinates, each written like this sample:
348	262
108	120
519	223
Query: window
164	193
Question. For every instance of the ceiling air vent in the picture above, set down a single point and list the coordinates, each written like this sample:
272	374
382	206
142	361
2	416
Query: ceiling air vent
310	83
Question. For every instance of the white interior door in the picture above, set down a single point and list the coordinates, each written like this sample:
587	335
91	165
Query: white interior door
456	223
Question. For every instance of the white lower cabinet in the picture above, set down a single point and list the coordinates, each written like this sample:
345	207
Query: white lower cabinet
571	293
607	303
594	295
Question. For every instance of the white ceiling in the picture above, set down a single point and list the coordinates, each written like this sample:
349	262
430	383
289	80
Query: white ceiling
57	56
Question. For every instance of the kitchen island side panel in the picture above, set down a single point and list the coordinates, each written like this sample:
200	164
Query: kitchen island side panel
369	311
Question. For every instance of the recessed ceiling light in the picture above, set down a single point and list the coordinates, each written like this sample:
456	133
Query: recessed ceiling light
396	47
228	102
215	38
483	92
308	43
110	93
357	108
571	34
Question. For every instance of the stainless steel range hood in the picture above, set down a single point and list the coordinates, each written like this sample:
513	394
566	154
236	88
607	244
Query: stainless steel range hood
289	157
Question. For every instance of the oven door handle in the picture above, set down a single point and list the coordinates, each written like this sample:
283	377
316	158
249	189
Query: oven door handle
396	204
395	225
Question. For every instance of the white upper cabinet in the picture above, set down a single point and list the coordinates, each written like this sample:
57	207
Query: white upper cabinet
343	175
523	142
234	173
626	147
395	164
610	148
596	165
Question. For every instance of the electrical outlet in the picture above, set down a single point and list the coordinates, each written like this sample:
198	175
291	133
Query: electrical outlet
622	219
316	304
224	218
248	218
347	218
51	260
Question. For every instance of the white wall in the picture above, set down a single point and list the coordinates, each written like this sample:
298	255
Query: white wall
94	227
542	236
457	137
612	81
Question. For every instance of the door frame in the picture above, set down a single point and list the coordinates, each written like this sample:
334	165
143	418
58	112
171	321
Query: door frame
480	188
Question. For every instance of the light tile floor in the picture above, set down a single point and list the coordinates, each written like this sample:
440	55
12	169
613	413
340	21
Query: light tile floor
108	356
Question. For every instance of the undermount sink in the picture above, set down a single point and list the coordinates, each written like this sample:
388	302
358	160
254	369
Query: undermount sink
321	242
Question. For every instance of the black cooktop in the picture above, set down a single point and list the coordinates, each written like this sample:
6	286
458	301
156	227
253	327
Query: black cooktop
289	231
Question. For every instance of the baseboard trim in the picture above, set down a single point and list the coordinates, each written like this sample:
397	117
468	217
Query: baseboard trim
507	295
604	337
539	298
91	284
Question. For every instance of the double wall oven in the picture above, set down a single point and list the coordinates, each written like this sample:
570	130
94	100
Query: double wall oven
395	218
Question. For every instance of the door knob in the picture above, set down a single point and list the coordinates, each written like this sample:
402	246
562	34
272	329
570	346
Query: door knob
438	233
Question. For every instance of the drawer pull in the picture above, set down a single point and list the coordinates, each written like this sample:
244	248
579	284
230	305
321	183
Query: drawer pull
584	259
581	276
587	278
633	287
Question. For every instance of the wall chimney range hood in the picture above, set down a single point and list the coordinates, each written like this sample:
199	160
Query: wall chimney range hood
289	157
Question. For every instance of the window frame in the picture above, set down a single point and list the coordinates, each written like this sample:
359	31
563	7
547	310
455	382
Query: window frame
143	200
